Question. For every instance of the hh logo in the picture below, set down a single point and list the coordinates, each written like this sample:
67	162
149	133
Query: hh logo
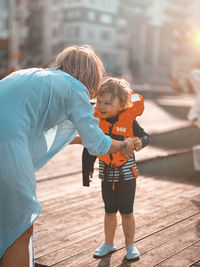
121	129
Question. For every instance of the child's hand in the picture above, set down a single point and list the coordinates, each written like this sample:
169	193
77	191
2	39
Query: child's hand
137	143
90	176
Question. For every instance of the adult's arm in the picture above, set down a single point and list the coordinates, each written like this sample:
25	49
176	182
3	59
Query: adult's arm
126	146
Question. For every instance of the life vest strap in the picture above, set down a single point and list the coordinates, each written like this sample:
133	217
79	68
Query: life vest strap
108	168
134	172
106	171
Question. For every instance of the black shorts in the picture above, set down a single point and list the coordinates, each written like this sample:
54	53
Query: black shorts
121	199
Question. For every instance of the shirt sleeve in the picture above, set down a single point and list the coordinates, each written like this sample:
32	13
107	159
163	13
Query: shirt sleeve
139	132
80	112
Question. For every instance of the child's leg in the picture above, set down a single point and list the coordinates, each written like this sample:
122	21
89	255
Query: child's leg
17	255
110	224
128	221
128	224
126	201
110	218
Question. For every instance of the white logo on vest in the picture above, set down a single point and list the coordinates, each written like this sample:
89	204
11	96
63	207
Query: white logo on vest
121	129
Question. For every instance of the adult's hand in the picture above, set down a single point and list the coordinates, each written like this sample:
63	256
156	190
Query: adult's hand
127	147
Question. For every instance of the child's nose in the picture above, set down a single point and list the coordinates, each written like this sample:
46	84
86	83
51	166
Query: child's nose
100	105
103	106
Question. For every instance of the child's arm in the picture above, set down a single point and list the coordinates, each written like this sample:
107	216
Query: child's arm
141	137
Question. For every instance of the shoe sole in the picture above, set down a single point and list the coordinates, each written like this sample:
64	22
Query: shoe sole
99	257
133	259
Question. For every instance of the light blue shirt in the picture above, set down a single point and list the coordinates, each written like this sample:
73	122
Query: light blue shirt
41	110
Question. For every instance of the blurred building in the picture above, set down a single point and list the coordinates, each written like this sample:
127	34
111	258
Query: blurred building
58	24
194	32
13	33
45	35
169	50
177	28
132	27
159	36
141	40
157	59
146	40
94	22
148	43
3	37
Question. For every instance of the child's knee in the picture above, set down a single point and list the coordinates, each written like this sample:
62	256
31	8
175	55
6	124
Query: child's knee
127	216
113	214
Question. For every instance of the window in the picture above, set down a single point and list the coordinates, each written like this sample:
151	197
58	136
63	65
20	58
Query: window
91	15
121	22
105	18
71	14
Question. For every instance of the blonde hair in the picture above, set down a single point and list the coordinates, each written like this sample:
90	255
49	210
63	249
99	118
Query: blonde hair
82	63
117	88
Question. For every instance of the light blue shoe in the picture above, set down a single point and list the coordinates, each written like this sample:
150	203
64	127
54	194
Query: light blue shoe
132	253
104	250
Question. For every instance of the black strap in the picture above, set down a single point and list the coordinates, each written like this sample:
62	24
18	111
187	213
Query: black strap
121	174
107	169
87	166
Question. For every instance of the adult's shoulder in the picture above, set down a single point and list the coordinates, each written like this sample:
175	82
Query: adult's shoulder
67	78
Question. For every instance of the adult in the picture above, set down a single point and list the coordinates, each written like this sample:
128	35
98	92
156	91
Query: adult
41	110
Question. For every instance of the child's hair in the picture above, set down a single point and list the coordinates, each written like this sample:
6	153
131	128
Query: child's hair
117	88
82	63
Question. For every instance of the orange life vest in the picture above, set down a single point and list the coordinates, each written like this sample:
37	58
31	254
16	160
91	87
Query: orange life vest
123	128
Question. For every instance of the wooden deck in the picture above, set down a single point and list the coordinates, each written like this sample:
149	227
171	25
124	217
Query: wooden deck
70	227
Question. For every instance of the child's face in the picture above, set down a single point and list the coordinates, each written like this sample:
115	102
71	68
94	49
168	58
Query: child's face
107	106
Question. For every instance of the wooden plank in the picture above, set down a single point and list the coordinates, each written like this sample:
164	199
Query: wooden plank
141	211
55	205
48	234
52	191
55	231
61	219
70	154
150	258
97	229
184	258
98	237
196	264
